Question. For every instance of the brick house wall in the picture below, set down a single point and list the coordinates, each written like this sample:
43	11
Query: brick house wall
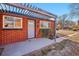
52	24
0	29
38	28
37	31
15	35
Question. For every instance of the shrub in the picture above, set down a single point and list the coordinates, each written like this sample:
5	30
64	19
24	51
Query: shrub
44	32
51	34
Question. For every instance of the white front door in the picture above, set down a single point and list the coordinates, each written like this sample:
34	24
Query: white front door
31	29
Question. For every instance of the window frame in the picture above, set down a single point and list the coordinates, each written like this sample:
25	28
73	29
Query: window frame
44	27
14	23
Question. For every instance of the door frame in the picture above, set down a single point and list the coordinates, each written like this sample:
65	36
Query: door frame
34	27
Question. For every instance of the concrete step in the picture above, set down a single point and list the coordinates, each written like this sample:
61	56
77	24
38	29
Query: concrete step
1	50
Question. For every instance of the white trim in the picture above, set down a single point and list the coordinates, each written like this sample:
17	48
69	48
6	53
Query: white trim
14	22
31	29
44	23
21	22
52	19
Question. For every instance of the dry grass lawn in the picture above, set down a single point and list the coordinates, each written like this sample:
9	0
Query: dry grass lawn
72	35
65	32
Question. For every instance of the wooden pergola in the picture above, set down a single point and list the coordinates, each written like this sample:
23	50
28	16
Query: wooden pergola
25	9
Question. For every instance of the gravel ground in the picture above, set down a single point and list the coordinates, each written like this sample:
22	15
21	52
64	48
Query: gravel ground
65	48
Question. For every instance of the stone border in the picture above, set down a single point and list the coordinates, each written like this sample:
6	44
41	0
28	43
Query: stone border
40	52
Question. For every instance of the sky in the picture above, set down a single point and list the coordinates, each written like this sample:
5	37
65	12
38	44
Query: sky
55	8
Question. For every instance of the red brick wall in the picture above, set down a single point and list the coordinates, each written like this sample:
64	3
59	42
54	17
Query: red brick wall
52	24
0	29
10	36
37	28
38	33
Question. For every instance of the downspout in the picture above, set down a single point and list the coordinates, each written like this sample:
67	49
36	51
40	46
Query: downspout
55	29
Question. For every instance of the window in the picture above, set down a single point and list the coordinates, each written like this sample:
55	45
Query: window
10	22
44	24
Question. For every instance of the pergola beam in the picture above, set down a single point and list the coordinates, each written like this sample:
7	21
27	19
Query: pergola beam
30	9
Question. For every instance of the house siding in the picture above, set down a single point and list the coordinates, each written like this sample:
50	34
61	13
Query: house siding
0	29
14	35
8	36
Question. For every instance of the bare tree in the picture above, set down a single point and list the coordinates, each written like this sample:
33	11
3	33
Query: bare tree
74	10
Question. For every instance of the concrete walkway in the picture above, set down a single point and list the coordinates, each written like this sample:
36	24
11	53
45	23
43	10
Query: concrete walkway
21	48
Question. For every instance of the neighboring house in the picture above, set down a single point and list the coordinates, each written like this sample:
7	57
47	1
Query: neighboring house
19	22
66	25
78	22
59	24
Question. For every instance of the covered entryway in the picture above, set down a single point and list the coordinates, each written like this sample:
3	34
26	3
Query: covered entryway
31	29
